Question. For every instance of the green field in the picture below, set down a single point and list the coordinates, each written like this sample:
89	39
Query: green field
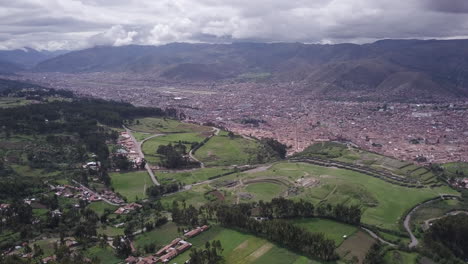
193	176
224	151
6	102
159	236
383	203
400	257
195	196
244	248
331	229
131	184
150	146
100	207
162	125
343	153
105	255
265	191
452	168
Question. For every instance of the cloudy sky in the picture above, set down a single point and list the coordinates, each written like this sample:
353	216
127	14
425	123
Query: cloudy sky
77	24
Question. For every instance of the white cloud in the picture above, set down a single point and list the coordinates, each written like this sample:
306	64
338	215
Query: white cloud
75	24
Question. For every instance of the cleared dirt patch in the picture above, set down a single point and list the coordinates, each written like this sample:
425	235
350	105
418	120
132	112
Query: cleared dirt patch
260	252
357	245
242	245
218	195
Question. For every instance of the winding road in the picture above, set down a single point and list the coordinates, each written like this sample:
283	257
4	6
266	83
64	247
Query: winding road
142	155
406	223
202	165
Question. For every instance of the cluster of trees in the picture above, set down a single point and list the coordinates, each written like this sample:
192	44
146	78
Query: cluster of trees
276	146
446	239
175	156
280	208
158	191
210	255
314	245
122	246
184	215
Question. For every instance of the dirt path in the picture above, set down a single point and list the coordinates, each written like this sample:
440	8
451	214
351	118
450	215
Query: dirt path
374	235
427	222
215	133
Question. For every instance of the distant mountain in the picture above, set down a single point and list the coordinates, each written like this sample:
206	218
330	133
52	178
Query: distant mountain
396	68
27	58
7	67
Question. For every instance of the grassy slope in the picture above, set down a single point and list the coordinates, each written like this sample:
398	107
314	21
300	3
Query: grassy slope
160	236
265	191
131	184
160	125
193	176
338	185
400	257
150	146
223	151
331	229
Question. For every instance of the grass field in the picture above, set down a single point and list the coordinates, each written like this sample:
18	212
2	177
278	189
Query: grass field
383	203
400	257
105	255
193	176
150	146
195	196
240	248
161	125
159	236
100	207
6	102
331	229
131	184
265	190
223	151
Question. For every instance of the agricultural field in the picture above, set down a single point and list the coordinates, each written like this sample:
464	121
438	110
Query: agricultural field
150	146
383	203
356	246
193	176
336	231
163	125
131	185
221	150
244	248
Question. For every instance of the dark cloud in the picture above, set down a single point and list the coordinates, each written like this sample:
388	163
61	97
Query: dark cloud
65	24
449	6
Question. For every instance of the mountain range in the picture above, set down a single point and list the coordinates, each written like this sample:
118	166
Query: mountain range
395	68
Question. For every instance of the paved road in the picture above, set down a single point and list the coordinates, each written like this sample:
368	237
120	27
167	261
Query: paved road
93	192
406	223
427	222
140	152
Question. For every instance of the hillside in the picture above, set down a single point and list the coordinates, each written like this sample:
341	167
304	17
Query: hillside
395	68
